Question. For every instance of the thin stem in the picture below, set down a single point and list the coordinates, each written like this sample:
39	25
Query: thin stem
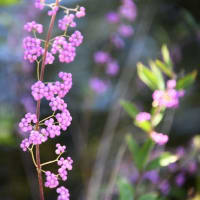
38	70
40	181
33	158
137	185
50	162
47	117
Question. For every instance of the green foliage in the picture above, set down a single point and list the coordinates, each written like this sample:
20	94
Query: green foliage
6	131
187	80
125	189
163	160
150	196
148	77
145	125
133	148
158	74
130	108
140	155
165	68
166	56
157	116
143	153
8	2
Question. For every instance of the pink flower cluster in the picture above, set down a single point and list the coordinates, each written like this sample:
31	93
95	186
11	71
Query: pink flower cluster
39	4
51	180
40	90
63	193
67	49
68	20
60	120
53	92
60	149
159	138
65	164
168	98
81	12
53	11
33	26
32	49
25	124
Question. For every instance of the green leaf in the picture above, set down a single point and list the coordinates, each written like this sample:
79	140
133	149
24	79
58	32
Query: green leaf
157	116
145	125
133	148
157	119
150	196
186	81
158	74
147	76
143	153
130	108
125	189
168	159
165	69
163	160
8	2
166	56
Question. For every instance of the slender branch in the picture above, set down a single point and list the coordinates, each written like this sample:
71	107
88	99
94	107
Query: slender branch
53	161
40	181
33	158
48	117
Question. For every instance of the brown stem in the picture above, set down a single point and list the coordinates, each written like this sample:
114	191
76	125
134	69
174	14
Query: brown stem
40	181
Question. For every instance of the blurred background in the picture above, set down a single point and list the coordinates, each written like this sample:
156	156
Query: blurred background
96	137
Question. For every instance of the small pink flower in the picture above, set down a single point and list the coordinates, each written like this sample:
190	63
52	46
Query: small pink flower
171	84
81	12
159	138
143	116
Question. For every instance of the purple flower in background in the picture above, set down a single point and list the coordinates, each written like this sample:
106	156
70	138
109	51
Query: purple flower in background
117	41
101	57
180	179
164	187
159	138
192	167
173	167
112	17
143	116
180	151
125	30
128	10
99	86
152	176
112	68
28	104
